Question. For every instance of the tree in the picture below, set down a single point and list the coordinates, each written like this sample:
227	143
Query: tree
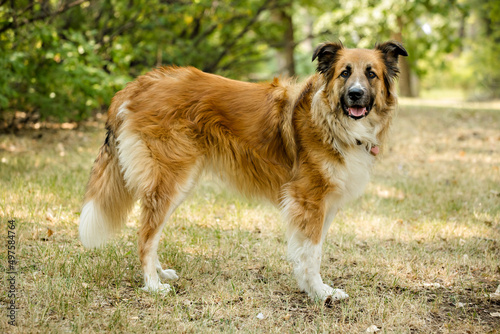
285	47
64	59
483	49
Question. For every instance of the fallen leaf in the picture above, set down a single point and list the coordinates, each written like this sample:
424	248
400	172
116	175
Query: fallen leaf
496	294
260	316
49	232
495	314
372	329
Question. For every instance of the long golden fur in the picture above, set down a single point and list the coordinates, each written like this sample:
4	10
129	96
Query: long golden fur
306	147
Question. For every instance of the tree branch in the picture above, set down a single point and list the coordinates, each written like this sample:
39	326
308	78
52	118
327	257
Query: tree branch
211	29
64	8
228	46
312	36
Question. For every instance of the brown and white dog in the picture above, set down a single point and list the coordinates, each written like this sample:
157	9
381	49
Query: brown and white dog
307	148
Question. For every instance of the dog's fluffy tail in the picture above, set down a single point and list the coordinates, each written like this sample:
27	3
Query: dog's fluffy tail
107	200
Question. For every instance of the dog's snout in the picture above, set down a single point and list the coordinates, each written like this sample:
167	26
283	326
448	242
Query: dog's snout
355	93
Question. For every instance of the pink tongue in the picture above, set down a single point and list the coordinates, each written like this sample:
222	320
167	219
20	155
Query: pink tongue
357	111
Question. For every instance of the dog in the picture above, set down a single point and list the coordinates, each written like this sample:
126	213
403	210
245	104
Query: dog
308	148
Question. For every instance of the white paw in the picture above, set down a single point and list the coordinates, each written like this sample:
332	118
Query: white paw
157	288
339	294
329	294
167	274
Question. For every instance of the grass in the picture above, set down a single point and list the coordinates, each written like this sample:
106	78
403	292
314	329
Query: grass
418	253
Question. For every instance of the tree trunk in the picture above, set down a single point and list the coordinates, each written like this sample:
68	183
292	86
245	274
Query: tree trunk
286	61
405	80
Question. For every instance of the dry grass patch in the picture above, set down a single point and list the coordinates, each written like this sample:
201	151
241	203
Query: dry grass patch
418	253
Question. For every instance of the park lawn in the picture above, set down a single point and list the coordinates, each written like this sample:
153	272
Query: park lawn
418	253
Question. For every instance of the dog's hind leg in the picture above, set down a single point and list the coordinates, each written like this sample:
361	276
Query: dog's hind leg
157	208
165	273
153	219
149	237
161	172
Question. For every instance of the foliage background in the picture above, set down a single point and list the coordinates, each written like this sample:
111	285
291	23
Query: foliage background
64	59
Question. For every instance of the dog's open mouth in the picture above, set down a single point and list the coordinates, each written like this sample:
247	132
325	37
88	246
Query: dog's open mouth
356	112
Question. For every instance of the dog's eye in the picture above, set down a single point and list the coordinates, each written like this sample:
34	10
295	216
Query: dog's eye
371	75
344	74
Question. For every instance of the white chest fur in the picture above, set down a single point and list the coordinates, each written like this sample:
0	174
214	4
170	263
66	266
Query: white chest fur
351	177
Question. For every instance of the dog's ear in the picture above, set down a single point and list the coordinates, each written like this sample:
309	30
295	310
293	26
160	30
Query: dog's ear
326	54
390	52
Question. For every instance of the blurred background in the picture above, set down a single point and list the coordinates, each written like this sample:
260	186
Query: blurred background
62	60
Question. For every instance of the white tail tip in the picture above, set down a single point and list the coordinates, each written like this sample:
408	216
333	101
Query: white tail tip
95	229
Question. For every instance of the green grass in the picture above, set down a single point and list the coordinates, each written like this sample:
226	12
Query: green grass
430	215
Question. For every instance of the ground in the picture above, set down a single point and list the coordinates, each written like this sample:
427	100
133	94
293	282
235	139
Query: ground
418	253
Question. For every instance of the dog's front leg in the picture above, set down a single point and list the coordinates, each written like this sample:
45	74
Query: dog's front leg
305	256
309	222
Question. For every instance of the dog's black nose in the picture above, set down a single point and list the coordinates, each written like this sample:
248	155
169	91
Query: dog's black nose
355	93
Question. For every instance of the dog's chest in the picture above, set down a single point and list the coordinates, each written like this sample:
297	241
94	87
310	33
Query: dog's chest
351	177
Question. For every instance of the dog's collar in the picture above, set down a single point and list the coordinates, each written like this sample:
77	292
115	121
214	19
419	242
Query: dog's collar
373	149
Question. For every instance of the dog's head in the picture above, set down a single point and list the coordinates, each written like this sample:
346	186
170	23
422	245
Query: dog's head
358	80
